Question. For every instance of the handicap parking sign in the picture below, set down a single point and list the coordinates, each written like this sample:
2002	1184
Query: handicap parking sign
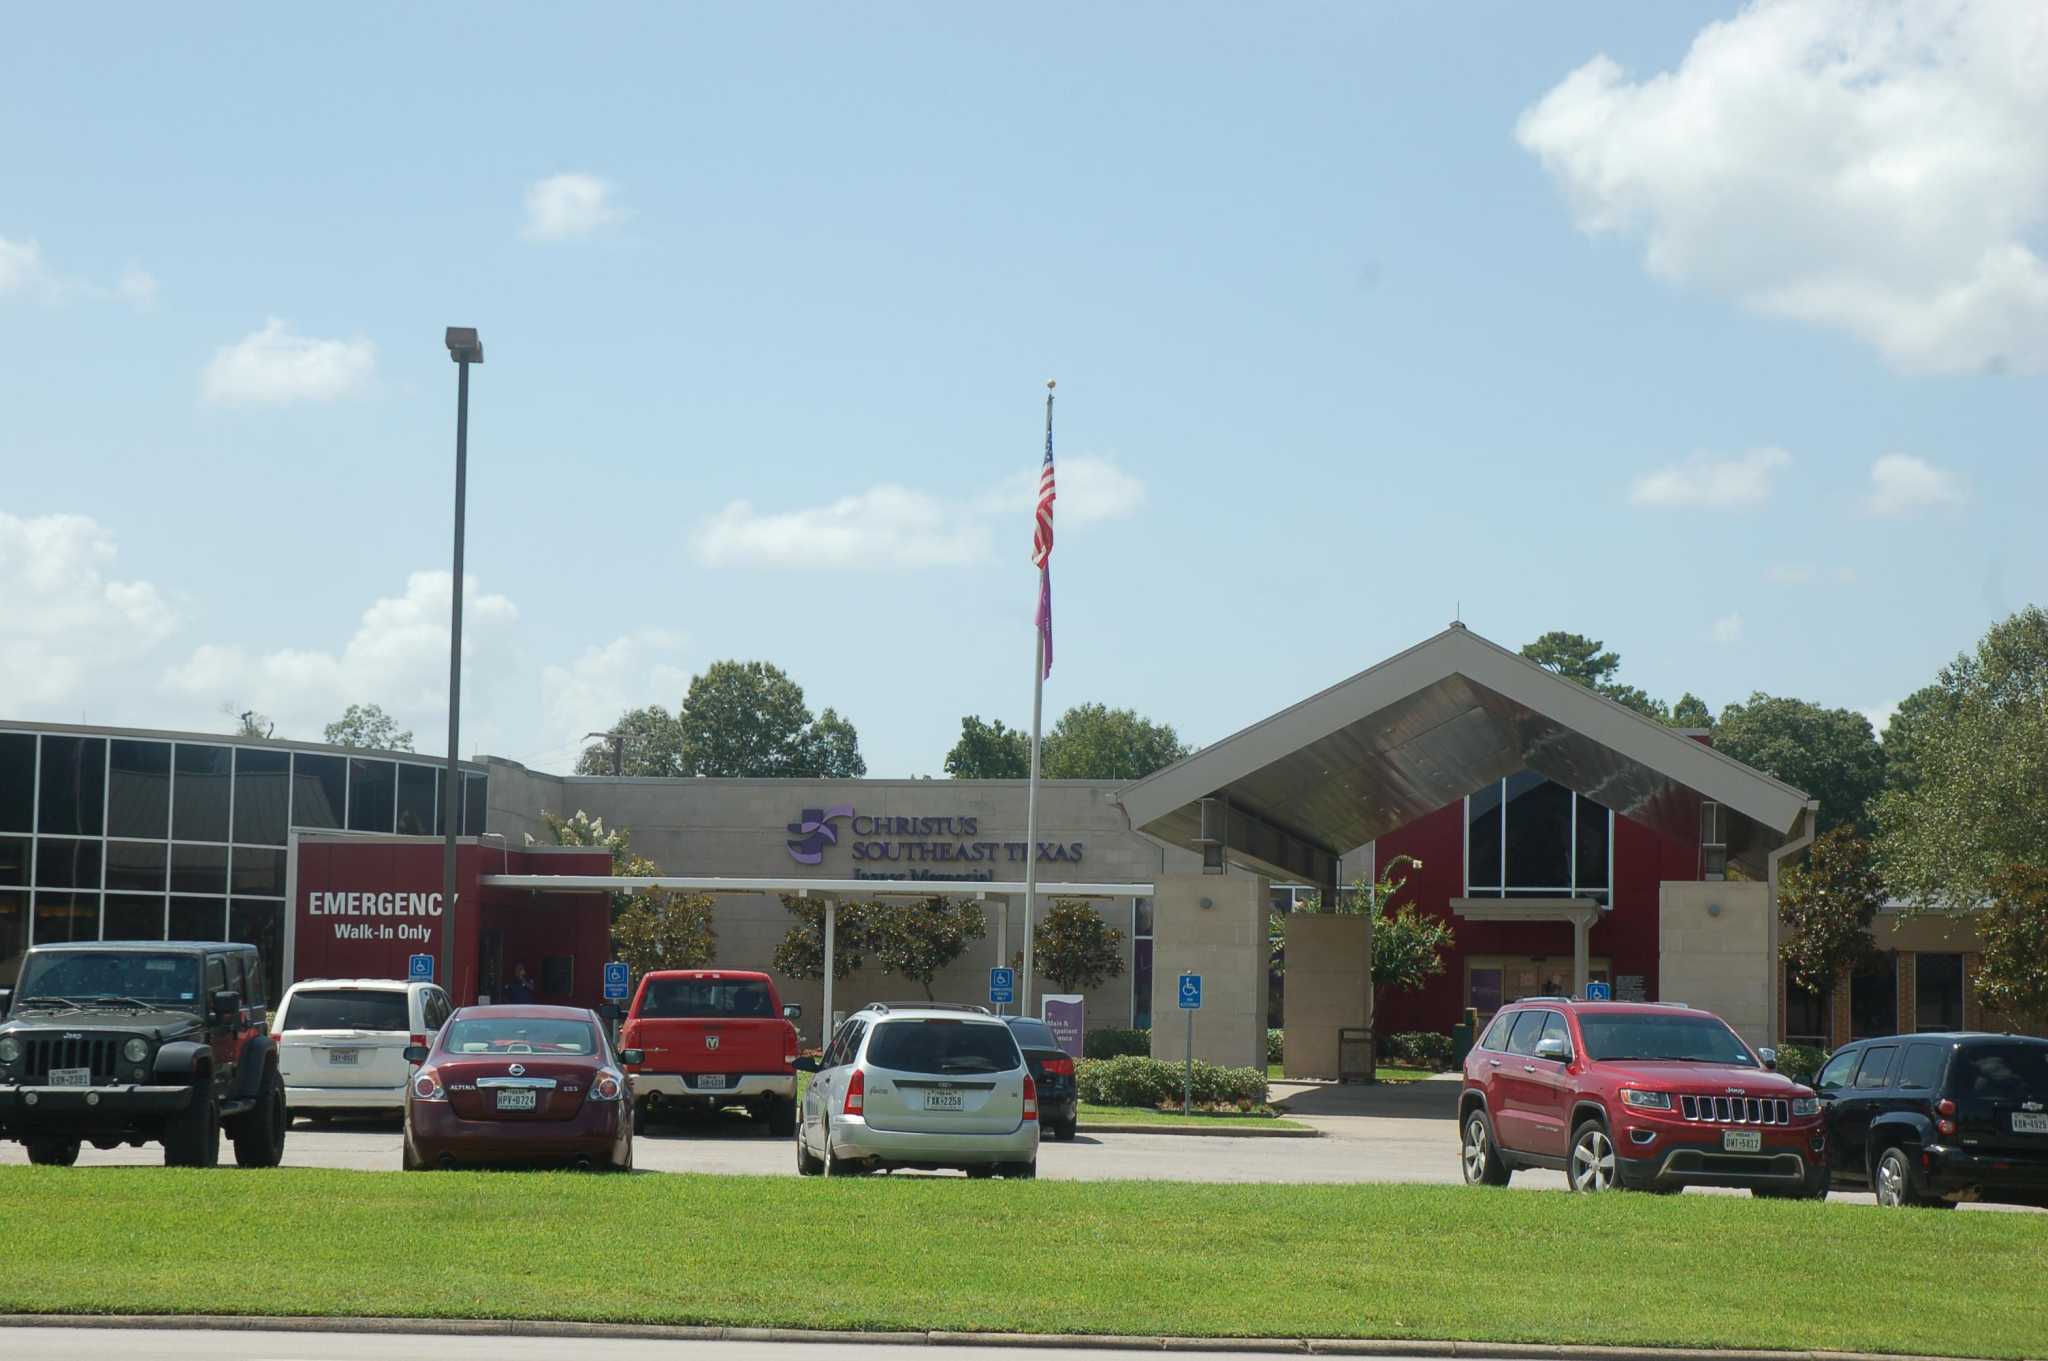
1190	992
420	969
1002	986
1598	992
616	978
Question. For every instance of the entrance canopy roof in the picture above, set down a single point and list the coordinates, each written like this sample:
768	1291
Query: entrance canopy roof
1423	729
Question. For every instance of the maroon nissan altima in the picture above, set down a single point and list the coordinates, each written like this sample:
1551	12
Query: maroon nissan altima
508	1085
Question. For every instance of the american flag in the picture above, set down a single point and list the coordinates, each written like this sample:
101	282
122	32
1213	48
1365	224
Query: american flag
1041	547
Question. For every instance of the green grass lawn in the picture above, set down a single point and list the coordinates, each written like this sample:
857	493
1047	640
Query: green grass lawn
1098	1257
1142	1115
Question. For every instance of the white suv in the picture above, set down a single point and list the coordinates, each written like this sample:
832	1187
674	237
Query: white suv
341	1042
920	1086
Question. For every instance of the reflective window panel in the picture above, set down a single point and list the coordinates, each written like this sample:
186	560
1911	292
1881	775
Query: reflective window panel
13	935
258	873
17	781
372	793
1595	827
74	786
319	790
1539	851
133	916
417	786
14	856
62	863
200	788
67	916
254	921
474	802
199	869
137	866
199	919
1482	838
263	794
139	789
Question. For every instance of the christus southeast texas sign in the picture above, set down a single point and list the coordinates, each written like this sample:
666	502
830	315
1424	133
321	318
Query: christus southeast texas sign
948	847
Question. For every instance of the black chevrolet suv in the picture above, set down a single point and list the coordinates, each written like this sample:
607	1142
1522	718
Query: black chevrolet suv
1937	1119
129	1042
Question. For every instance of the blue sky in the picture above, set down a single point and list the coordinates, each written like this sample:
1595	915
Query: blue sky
1719	334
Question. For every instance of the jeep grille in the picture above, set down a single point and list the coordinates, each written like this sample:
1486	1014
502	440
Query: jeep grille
97	1052
1736	1110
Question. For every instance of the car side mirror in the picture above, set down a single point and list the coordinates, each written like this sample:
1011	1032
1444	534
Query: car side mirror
1557	1051
227	1003
1770	1058
415	1053
792	1011
632	1057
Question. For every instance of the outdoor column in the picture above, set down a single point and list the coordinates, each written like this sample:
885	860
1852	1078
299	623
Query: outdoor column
1581	967
825	1027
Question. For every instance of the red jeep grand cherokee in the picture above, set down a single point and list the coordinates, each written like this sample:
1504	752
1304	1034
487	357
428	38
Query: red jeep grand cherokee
1644	1095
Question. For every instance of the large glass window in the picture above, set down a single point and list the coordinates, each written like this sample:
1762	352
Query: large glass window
73	791
1531	837
136	865
200	791
1874	999
139	789
1806	1016
1141	963
199	869
64	863
133	916
473	804
67	916
263	795
319	790
417	787
372	792
199	918
1938	992
258	922
13	935
259	872
17	781
14	857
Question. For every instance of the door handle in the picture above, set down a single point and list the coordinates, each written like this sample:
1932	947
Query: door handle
1528	1067
1493	1063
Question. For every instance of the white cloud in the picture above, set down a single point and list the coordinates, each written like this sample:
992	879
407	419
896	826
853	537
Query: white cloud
1091	489
563	207
590	693
1880	716
24	273
136	286
884	527
273	366
1876	168
1901	484
22	270
65	623
397	658
1703	482
1728	629
1807	574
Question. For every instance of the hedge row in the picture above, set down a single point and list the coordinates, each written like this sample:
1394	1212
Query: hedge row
1420	1049
1114	1041
1134	1080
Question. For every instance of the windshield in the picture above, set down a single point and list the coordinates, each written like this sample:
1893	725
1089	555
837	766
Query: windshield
2004	1072
943	1046
1694	1038
347	1009
680	998
520	1035
166	980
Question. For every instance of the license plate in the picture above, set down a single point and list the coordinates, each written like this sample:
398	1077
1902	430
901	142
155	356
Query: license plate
2023	1123
518	1101
1742	1141
71	1077
345	1058
711	1082
944	1101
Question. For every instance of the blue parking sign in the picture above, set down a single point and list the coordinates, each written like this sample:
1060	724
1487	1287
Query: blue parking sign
1002	986
420	969
617	978
1190	992
1598	992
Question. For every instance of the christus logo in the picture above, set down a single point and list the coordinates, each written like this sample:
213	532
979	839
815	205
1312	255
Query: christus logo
814	832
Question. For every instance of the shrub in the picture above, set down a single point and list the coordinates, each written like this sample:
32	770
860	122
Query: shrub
1115	1041
1276	1046
1421	1049
1800	1062
1134	1080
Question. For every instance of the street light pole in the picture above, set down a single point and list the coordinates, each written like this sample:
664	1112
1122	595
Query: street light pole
465	349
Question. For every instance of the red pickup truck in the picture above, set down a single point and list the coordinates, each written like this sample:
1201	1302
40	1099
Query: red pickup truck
712	1038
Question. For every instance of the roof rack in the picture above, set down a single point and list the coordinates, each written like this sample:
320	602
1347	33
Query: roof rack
927	1006
1683	1006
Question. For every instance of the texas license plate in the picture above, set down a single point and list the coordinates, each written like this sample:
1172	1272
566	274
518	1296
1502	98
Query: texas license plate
518	1101
944	1101
71	1077
711	1082
345	1058
2023	1123
1742	1141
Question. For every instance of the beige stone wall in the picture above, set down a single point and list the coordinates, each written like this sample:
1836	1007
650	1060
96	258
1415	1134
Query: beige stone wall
1329	987
1715	944
1225	942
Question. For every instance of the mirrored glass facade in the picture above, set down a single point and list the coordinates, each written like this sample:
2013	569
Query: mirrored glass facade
144	838
1528	837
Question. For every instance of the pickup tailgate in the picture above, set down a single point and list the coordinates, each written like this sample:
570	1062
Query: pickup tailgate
713	1045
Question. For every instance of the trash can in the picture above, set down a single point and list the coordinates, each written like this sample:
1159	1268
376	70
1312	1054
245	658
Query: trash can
1354	1054
1463	1035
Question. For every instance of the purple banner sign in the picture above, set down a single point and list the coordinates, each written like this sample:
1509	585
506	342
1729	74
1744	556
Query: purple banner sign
1067	1016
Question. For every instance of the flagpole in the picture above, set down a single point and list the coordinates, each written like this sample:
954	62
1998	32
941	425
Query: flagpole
1031	798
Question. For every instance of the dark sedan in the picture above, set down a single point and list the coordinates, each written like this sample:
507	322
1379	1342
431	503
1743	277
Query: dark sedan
1052	1069
519	1085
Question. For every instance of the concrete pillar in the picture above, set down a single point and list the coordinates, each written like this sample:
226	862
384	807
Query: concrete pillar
1582	969
827	1027
1329	987
1213	925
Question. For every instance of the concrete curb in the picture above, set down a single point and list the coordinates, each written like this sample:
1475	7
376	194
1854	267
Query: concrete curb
662	1332
1209	1131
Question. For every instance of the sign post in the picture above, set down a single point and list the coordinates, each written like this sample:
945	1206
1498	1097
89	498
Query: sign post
1190	1003
1002	987
419	969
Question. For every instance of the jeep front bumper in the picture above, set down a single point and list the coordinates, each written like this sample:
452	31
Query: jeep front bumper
23	1107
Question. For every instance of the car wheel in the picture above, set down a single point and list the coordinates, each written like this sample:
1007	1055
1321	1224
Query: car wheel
1480	1160
782	1117
53	1152
192	1136
406	1161
981	1172
1064	1131
806	1164
1022	1171
1592	1165
1895	1187
259	1135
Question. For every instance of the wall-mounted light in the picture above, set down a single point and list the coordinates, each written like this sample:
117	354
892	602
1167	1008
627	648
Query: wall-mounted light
1208	902
1713	909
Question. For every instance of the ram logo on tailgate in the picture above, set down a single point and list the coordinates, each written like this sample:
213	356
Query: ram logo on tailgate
711	1041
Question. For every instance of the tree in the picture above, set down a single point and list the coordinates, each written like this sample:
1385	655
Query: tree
832	749
654	746
666	930
1096	742
1978	804
1918	713
2012	979
1691	712
1826	904
738	718
1579	658
1407	946
919	938
367	725
1830	753
584	830
248	723
801	952
989	751
1075	948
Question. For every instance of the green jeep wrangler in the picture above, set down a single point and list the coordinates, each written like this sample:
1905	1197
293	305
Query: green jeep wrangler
133	1042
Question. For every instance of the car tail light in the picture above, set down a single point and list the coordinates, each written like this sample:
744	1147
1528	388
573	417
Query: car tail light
1946	1109
607	1087
419	1040
856	1094
426	1086
1030	1098
1060	1067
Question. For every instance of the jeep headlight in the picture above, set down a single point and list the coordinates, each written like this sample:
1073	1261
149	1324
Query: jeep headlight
1654	1101
1806	1105
10	1049
136	1050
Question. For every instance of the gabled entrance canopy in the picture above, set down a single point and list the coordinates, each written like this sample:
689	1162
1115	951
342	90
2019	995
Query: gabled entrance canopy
1290	794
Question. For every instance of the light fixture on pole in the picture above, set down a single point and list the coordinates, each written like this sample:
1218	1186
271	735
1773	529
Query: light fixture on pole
464	348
